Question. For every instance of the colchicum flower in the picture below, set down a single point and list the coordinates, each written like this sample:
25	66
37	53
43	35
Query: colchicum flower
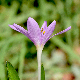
38	36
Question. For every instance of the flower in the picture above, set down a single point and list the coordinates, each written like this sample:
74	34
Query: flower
38	36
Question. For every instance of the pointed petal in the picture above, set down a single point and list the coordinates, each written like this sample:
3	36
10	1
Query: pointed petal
13	27
51	27
33	29
49	31
62	31
32	26
44	26
19	29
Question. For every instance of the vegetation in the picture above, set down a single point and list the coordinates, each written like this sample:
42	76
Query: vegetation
61	54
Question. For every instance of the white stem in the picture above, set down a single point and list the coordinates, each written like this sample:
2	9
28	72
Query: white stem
39	52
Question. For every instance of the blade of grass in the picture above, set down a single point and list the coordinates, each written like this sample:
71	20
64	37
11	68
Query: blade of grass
42	72
12	74
21	60
70	52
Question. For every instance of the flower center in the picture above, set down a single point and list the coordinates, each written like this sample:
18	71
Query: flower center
42	31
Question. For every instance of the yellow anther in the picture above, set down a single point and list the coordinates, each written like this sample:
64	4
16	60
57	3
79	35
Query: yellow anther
43	32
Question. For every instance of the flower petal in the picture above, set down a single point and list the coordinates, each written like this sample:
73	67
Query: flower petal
51	27
32	26
62	31
19	29
49	31
33	30
44	26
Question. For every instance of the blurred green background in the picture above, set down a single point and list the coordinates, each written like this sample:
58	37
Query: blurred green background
61	54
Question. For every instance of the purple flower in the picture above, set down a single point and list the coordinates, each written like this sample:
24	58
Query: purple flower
38	36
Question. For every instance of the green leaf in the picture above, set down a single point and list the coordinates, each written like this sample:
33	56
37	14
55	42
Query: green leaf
11	72
42	73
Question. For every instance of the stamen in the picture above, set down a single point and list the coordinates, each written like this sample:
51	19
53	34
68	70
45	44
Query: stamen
42	30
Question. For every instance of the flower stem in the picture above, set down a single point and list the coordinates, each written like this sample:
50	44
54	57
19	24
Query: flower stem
39	52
